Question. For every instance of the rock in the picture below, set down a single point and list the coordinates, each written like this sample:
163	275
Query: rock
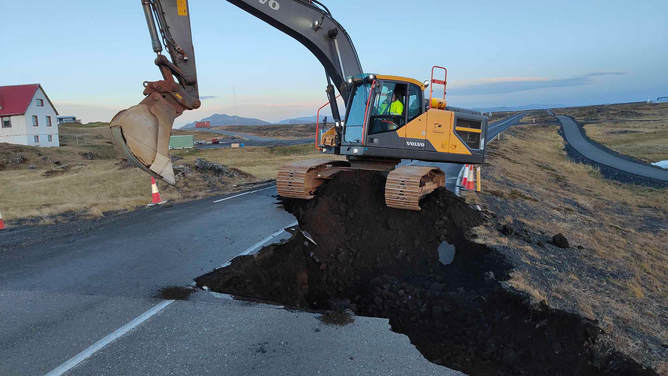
32	167
541	244
509	356
375	282
88	155
183	169
560	241
317	330
378	300
580	247
507	230
353	307
175	158
17	160
440	224
436	313
489	276
217	168
437	287
323	267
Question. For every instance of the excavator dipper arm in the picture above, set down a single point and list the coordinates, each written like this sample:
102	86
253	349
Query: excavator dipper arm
142	131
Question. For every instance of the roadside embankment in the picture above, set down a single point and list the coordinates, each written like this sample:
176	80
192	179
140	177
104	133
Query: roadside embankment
611	269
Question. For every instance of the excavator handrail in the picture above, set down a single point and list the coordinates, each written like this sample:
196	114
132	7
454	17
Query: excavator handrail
443	82
317	121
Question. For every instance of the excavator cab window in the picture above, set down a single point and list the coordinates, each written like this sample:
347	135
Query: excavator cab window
357	113
414	103
389	108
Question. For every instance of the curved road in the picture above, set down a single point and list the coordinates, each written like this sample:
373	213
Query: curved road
589	151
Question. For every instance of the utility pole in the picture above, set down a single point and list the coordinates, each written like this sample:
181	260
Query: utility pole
236	114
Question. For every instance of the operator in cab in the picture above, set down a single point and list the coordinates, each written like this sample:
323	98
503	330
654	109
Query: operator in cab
396	105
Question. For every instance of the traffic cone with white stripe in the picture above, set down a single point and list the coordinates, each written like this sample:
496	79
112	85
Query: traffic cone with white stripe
2	223
465	175
157	200
470	183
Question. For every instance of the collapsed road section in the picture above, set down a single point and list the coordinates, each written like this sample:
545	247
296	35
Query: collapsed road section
354	253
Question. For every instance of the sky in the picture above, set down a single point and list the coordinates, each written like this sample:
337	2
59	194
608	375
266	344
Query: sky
91	57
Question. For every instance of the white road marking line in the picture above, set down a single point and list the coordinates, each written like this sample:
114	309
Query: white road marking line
261	243
241	194
73	362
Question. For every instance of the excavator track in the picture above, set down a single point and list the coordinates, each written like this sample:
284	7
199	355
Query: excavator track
302	178
406	186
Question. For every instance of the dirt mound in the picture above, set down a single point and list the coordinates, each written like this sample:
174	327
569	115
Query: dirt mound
350	237
355	253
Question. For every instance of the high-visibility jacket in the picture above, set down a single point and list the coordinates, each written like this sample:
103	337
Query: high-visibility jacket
396	108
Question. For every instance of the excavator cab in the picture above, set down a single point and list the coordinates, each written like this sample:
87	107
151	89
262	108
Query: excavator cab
394	117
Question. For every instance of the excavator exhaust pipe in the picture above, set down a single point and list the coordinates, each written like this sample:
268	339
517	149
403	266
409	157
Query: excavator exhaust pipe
142	133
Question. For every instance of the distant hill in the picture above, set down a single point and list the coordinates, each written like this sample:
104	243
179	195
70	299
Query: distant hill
303	120
223	119
519	108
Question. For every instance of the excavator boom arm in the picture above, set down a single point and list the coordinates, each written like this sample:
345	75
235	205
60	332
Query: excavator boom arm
142	132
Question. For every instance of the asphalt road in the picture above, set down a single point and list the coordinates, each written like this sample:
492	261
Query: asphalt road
84	298
251	140
87	284
590	151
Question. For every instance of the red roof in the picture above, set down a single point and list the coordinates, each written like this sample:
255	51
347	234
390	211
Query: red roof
14	100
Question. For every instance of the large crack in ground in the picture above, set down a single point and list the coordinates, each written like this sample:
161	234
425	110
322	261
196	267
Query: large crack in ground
355	253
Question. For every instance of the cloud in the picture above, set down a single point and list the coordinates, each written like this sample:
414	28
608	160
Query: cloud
596	74
208	97
504	86
517	84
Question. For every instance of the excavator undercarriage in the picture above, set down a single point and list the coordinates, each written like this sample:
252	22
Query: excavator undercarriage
405	186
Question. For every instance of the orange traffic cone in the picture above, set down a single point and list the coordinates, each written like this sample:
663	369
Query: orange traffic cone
2	223
470	183
157	200
465	175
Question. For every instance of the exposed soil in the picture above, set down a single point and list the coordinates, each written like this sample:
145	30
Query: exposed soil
176	293
383	262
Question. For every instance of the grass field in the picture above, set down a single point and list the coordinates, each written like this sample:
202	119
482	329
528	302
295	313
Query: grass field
283	131
639	130
615	271
46	185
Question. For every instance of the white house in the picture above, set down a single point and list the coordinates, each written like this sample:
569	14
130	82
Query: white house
27	116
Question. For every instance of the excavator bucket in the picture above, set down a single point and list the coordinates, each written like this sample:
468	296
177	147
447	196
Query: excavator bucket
142	133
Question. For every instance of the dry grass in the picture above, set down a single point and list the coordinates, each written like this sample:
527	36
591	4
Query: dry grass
639	130
283	131
262	162
89	188
620	273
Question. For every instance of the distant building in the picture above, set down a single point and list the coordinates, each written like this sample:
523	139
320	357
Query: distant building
203	124
27	116
68	119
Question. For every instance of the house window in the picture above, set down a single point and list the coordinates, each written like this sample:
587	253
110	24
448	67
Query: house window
35	122
40	102
37	139
48	121
6	122
50	137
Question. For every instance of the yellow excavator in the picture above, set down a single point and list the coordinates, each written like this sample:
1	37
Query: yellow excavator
386	118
